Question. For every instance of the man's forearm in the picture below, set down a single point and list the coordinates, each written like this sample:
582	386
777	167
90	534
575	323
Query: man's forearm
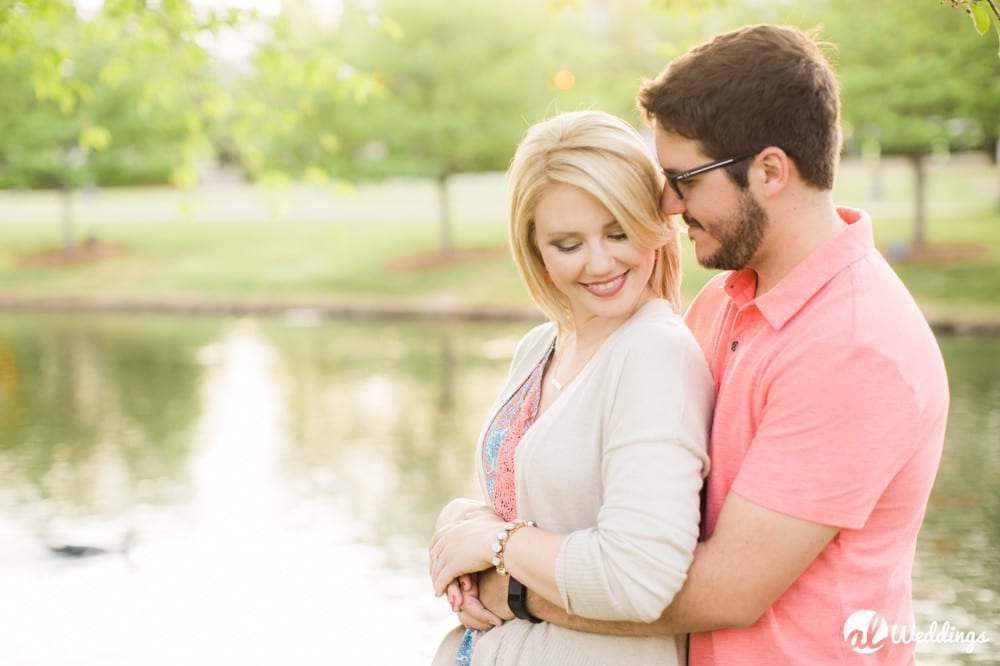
734	578
545	610
493	594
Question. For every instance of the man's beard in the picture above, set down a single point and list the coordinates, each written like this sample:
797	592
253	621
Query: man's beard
738	238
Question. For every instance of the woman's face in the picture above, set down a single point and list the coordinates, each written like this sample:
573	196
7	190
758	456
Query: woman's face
590	260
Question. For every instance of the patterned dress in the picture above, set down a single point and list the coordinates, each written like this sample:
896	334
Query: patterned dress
499	444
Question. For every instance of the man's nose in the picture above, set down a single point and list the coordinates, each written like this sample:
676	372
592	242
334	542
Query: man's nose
670	203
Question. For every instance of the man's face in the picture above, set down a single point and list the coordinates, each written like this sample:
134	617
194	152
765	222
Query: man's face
724	221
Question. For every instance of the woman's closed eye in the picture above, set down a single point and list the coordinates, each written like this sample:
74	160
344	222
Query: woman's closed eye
570	246
567	247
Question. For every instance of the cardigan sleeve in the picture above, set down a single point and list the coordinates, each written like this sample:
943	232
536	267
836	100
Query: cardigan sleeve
653	460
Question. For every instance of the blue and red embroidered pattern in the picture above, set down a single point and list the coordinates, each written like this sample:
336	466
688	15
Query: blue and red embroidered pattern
499	445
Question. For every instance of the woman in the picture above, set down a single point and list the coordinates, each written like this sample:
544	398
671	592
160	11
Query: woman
593	455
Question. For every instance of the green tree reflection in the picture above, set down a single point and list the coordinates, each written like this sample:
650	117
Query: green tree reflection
96	411
386	414
957	554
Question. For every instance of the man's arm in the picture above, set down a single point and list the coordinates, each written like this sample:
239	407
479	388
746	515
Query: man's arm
752	557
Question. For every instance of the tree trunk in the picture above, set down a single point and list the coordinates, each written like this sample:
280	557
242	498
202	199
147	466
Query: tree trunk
68	222
996	163
919	200
871	157
444	196
447	401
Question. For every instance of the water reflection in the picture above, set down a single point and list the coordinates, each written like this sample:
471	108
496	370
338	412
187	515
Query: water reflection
283	479
384	416
95	417
955	578
241	433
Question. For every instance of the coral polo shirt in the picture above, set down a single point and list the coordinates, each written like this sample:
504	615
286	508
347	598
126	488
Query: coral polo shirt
831	406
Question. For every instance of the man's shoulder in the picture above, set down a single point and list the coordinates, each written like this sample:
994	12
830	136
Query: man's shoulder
866	304
707	306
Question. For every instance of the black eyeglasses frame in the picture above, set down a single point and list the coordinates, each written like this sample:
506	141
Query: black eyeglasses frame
676	179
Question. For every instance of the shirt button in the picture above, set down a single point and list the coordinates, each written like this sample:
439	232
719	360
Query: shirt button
734	345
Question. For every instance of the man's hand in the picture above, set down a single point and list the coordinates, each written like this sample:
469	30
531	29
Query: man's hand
463	594
493	593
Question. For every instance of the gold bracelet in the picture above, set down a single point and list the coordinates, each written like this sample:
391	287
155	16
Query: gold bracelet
502	537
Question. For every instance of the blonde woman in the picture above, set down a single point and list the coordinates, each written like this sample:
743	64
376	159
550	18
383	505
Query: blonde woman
593	455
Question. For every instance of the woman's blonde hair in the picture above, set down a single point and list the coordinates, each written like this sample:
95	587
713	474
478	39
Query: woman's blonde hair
606	157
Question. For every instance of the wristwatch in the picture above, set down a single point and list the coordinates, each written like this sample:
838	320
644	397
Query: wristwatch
517	600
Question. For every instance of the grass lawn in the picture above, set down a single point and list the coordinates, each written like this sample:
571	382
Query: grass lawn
376	243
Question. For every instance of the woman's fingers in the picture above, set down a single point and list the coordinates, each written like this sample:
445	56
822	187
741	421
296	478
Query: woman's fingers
463	547
444	575
457	509
440	578
455	597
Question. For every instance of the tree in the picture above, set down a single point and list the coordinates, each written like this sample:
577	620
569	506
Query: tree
284	121
459	85
982	12
430	90
926	89
122	96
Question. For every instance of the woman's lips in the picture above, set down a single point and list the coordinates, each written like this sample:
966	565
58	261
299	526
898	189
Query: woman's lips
608	287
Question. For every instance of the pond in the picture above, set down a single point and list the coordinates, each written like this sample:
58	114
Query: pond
266	488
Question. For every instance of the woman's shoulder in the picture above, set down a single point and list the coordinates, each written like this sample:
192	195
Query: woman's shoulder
654	322
534	343
655	336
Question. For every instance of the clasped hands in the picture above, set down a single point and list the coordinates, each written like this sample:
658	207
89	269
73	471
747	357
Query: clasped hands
460	549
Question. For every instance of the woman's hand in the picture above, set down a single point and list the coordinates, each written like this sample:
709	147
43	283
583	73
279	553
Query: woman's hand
458	509
463	547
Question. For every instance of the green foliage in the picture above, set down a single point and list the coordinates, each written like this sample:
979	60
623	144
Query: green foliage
454	87
913	77
982	12
279	123
431	89
120	97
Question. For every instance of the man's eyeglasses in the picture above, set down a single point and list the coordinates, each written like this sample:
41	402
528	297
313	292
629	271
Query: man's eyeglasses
679	178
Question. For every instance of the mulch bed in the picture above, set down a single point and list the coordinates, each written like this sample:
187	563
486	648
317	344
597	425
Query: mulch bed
86	253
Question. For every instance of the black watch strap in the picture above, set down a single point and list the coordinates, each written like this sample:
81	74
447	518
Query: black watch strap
517	600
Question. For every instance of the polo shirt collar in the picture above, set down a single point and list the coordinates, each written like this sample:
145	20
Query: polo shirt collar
794	290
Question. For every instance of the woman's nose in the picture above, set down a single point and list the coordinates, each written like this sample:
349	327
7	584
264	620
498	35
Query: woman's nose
600	261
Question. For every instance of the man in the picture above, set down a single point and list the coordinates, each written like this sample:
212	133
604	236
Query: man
831	391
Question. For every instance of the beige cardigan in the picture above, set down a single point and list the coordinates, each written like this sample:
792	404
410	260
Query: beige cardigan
616	462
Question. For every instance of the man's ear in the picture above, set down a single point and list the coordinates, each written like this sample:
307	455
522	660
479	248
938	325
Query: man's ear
774	168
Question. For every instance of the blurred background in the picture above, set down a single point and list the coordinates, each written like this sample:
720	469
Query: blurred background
255	297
